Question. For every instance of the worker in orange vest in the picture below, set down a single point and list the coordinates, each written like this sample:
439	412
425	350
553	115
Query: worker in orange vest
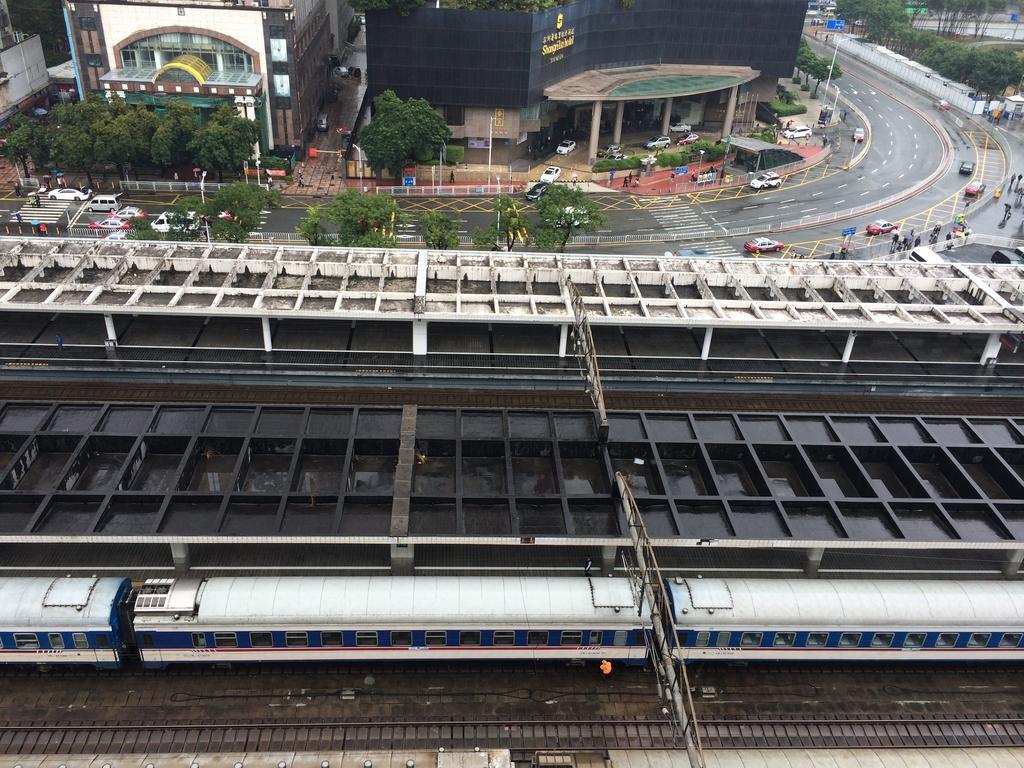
606	667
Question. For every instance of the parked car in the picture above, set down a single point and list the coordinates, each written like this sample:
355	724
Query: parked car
162	223
881	227
538	189
617	156
798	132
565	147
551	174
692	138
111	222
766	180
967	168
762	245
680	128
858	134
130	212
659	142
974	189
69	193
611	149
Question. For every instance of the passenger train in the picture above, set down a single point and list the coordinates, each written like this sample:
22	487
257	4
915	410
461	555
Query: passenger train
103	621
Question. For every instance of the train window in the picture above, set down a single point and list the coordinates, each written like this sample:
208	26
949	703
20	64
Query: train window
198	639
401	638
1010	639
979	640
537	638
102	641
225	640
261	639
914	640
596	637
723	638
504	638
946	640
703	639
572	638
620	637
882	639
333	637
366	639
849	640
56	640
80	640
750	639
785	639
817	639
25	640
437	638
296	639
469	637
1	642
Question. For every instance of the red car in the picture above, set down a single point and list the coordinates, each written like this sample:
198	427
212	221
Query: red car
881	227
693	138
111	223
974	190
762	245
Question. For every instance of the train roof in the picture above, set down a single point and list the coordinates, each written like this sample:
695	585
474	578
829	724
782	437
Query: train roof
420	600
860	603
41	602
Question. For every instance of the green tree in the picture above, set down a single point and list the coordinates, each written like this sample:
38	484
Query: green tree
564	212
142	229
76	134
234	210
173	135
363	220
24	140
439	231
402	130
126	138
225	141
312	228
514	225
994	69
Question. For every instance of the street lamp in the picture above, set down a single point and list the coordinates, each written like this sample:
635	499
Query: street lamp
202	186
830	66
361	156
258	182
490	142
700	163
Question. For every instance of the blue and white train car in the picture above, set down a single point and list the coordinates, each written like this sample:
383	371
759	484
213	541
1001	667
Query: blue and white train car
856	620
377	618
61	620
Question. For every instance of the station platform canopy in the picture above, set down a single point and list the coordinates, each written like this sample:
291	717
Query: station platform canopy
654	81
227	280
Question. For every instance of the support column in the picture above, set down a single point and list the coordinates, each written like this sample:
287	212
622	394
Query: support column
267	344
419	337
1011	566
848	349
991	351
705	351
563	339
620	110
403	559
609	555
108	321
730	110
402	553
179	556
814	557
595	132
666	116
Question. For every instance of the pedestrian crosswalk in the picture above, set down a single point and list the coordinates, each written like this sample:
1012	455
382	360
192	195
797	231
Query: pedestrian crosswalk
48	212
684	223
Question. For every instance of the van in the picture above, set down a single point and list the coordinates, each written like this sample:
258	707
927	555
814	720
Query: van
321	121
103	203
926	255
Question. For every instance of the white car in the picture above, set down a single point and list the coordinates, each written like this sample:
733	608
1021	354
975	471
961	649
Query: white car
162	223
680	128
69	193
119	234
797	132
565	147
130	212
551	174
767	180
659	142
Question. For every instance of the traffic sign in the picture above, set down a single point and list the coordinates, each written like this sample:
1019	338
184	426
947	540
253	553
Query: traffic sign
849	231
837	24
1014	17
408	181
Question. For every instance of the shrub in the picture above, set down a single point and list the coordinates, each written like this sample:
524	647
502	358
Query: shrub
786	110
630	163
277	163
455	153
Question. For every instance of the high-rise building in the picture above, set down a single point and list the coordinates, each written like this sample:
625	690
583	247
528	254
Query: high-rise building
23	74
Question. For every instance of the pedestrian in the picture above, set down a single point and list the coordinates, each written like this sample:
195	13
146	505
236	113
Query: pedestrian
60	341
949	236
636	181
175	175
625	180
587	566
1006	211
17	217
17	189
451	177
895	241
302	179
911	234
42	230
832	255
38	203
606	668
917	241
1020	176
824	141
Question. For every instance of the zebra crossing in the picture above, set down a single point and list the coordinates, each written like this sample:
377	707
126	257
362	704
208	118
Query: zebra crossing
48	212
684	223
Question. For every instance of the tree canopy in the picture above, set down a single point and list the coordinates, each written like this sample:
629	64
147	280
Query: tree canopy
564	212
401	131
363	220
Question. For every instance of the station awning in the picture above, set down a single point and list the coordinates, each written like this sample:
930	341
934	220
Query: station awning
657	81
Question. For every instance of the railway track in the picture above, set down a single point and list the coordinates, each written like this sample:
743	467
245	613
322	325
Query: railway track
511	399
311	736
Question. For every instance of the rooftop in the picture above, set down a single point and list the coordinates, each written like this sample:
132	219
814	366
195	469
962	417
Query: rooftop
648	82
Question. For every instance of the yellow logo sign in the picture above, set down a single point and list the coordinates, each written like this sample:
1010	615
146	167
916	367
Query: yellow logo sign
554	44
558	24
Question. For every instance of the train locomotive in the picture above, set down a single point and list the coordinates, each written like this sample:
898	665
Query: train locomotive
104	621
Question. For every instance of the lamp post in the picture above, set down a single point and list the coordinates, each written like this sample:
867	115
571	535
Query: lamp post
361	156
258	182
830	66
490	142
700	163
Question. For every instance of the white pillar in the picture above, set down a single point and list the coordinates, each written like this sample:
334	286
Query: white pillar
563	339
814	557
620	109
419	337
108	321
179	555
666	116
705	351
1011	566
848	349
595	132
991	351
267	345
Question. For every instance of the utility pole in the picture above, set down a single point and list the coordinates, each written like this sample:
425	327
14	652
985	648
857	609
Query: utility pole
586	351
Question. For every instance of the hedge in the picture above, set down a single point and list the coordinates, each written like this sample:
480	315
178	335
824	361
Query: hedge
782	109
629	164
454	153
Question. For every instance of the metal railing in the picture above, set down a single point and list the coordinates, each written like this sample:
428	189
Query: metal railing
452	190
170	186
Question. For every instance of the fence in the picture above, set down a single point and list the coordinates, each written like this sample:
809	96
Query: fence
449	190
170	186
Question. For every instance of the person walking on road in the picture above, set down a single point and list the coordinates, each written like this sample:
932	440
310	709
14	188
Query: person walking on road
1006	211
917	241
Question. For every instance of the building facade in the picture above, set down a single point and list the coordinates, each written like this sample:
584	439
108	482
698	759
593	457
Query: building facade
23	74
269	58
512	76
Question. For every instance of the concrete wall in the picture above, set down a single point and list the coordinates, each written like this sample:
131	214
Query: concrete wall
26	68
